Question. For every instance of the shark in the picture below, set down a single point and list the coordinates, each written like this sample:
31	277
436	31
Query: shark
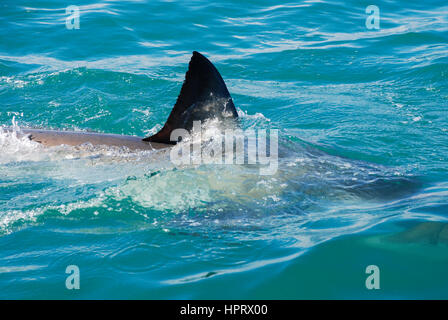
203	96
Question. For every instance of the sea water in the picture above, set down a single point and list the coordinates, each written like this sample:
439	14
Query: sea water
359	97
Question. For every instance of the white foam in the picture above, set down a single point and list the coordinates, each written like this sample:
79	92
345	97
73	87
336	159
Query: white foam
15	146
257	115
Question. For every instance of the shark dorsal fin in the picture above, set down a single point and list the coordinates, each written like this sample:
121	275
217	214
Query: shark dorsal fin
203	96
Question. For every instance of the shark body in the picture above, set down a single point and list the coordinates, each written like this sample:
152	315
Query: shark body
203	96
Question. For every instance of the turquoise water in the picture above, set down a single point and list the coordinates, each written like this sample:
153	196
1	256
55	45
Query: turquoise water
362	116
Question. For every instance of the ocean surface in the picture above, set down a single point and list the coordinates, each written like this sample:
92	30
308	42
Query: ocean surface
362	179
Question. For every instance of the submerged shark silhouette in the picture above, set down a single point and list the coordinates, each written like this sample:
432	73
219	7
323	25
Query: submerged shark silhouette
203	96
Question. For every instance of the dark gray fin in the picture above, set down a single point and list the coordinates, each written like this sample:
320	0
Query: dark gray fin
203	96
